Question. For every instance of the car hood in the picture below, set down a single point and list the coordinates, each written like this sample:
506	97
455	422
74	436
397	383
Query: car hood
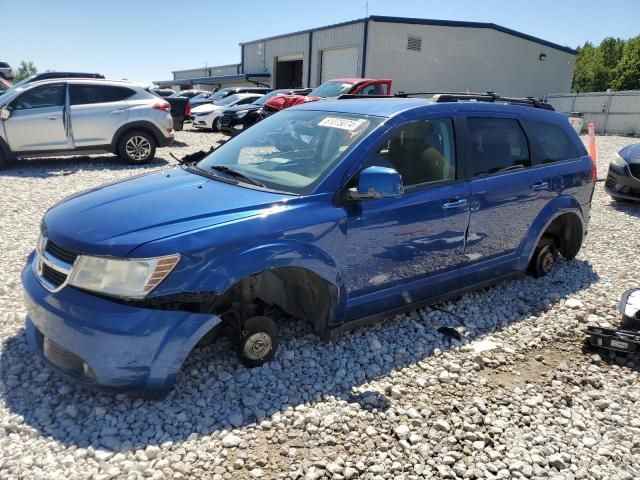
209	107
631	154
116	218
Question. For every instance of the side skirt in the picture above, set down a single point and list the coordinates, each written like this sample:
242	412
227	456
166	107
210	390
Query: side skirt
334	332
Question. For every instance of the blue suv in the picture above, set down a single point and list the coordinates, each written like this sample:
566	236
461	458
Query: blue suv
336	213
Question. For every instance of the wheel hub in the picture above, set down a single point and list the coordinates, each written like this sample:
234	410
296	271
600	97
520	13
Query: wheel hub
138	148
547	262
257	346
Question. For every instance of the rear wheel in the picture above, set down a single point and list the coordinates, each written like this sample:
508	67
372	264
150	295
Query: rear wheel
544	257
258	341
137	147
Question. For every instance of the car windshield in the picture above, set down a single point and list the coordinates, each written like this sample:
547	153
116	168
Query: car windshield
18	85
331	89
292	150
220	94
228	100
263	99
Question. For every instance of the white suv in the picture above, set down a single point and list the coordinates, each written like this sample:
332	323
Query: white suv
6	71
81	116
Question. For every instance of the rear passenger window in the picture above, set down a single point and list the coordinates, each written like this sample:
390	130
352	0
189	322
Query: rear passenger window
88	94
497	144
553	143
422	152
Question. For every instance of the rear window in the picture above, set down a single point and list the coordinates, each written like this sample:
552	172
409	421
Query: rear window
497	144
4	65
553	143
88	94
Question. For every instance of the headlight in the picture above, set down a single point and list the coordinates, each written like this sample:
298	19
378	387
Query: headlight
242	113
131	278
618	161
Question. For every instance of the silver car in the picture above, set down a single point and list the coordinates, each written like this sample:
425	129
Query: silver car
6	71
81	116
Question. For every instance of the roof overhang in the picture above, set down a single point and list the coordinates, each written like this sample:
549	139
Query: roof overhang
247	77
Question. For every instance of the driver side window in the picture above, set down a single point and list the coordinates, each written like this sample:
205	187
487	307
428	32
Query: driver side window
41	97
422	152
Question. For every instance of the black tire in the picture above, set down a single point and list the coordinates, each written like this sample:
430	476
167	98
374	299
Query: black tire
544	257
3	159
619	199
258	341
218	125
2	75
178	125
137	147
214	125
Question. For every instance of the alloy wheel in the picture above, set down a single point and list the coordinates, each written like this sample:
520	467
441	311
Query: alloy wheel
138	148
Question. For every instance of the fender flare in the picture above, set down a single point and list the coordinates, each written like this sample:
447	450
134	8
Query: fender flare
137	125
559	206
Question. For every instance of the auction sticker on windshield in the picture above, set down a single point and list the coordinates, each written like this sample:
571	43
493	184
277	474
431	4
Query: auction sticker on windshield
342	123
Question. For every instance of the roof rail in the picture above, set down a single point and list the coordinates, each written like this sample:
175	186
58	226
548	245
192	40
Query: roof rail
491	97
446	97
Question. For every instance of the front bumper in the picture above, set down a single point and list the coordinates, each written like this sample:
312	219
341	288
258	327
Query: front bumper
621	184
108	344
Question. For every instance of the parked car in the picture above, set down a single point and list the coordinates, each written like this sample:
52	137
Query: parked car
337	213
180	109
190	93
53	75
81	116
6	71
5	85
237	119
623	179
206	116
225	92
330	90
163	92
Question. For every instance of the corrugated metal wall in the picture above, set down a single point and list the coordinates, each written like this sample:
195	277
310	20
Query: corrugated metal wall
259	57
345	36
461	58
611	112
213	71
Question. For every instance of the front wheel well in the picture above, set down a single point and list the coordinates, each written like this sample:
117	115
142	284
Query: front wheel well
297	291
568	232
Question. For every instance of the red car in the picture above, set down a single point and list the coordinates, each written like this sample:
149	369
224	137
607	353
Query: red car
332	89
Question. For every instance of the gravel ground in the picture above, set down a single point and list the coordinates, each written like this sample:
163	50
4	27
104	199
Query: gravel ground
514	396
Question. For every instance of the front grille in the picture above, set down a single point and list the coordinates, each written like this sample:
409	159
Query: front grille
611	182
54	277
60	253
635	170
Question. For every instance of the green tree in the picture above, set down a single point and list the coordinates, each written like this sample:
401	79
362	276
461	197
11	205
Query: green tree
626	75
590	74
26	69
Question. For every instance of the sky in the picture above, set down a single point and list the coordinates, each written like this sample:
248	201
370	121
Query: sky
146	40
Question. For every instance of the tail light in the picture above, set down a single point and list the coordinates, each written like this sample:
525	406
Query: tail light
164	106
187	110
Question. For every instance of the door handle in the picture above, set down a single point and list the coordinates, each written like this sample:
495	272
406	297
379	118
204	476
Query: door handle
116	112
53	117
536	187
454	204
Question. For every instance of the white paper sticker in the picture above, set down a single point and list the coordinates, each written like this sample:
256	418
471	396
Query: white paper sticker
342	123
617	344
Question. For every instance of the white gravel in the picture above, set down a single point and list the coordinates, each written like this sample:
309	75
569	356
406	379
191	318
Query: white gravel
516	397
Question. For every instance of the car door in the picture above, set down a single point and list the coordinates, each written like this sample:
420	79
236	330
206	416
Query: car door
507	194
96	112
37	120
402	250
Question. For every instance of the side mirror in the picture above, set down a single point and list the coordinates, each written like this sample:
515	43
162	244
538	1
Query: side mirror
377	182
5	113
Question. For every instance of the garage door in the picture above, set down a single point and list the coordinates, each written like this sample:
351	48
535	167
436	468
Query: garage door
339	63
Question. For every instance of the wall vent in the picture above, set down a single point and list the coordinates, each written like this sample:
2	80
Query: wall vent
414	43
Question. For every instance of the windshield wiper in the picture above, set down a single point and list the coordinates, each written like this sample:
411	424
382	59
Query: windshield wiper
234	173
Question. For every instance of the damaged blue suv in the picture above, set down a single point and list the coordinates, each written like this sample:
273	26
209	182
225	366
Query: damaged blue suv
334	213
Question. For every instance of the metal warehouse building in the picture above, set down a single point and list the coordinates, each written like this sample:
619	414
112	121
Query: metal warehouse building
419	55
